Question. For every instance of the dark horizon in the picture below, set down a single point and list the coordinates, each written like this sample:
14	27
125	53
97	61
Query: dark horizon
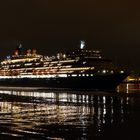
51	26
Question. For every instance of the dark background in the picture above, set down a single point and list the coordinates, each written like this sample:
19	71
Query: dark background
49	26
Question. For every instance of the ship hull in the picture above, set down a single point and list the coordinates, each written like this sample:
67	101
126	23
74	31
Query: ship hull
100	82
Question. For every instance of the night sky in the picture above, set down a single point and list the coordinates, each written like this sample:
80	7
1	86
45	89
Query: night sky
49	26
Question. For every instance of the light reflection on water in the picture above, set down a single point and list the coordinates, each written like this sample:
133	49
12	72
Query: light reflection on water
62	115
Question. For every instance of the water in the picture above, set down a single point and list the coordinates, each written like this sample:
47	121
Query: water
70	115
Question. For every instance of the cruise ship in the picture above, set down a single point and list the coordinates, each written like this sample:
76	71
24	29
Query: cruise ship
76	69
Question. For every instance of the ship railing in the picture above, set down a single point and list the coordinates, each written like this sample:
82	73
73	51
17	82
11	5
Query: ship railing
77	69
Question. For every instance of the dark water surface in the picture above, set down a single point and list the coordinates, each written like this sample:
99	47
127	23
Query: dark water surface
70	115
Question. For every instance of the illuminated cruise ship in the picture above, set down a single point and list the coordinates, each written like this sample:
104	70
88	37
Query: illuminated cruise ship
78	69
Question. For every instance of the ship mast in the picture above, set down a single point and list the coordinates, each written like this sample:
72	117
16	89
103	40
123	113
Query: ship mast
82	45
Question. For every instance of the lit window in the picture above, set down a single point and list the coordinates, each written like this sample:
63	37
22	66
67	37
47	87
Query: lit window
111	71
104	71
121	71
74	75
83	74
84	62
